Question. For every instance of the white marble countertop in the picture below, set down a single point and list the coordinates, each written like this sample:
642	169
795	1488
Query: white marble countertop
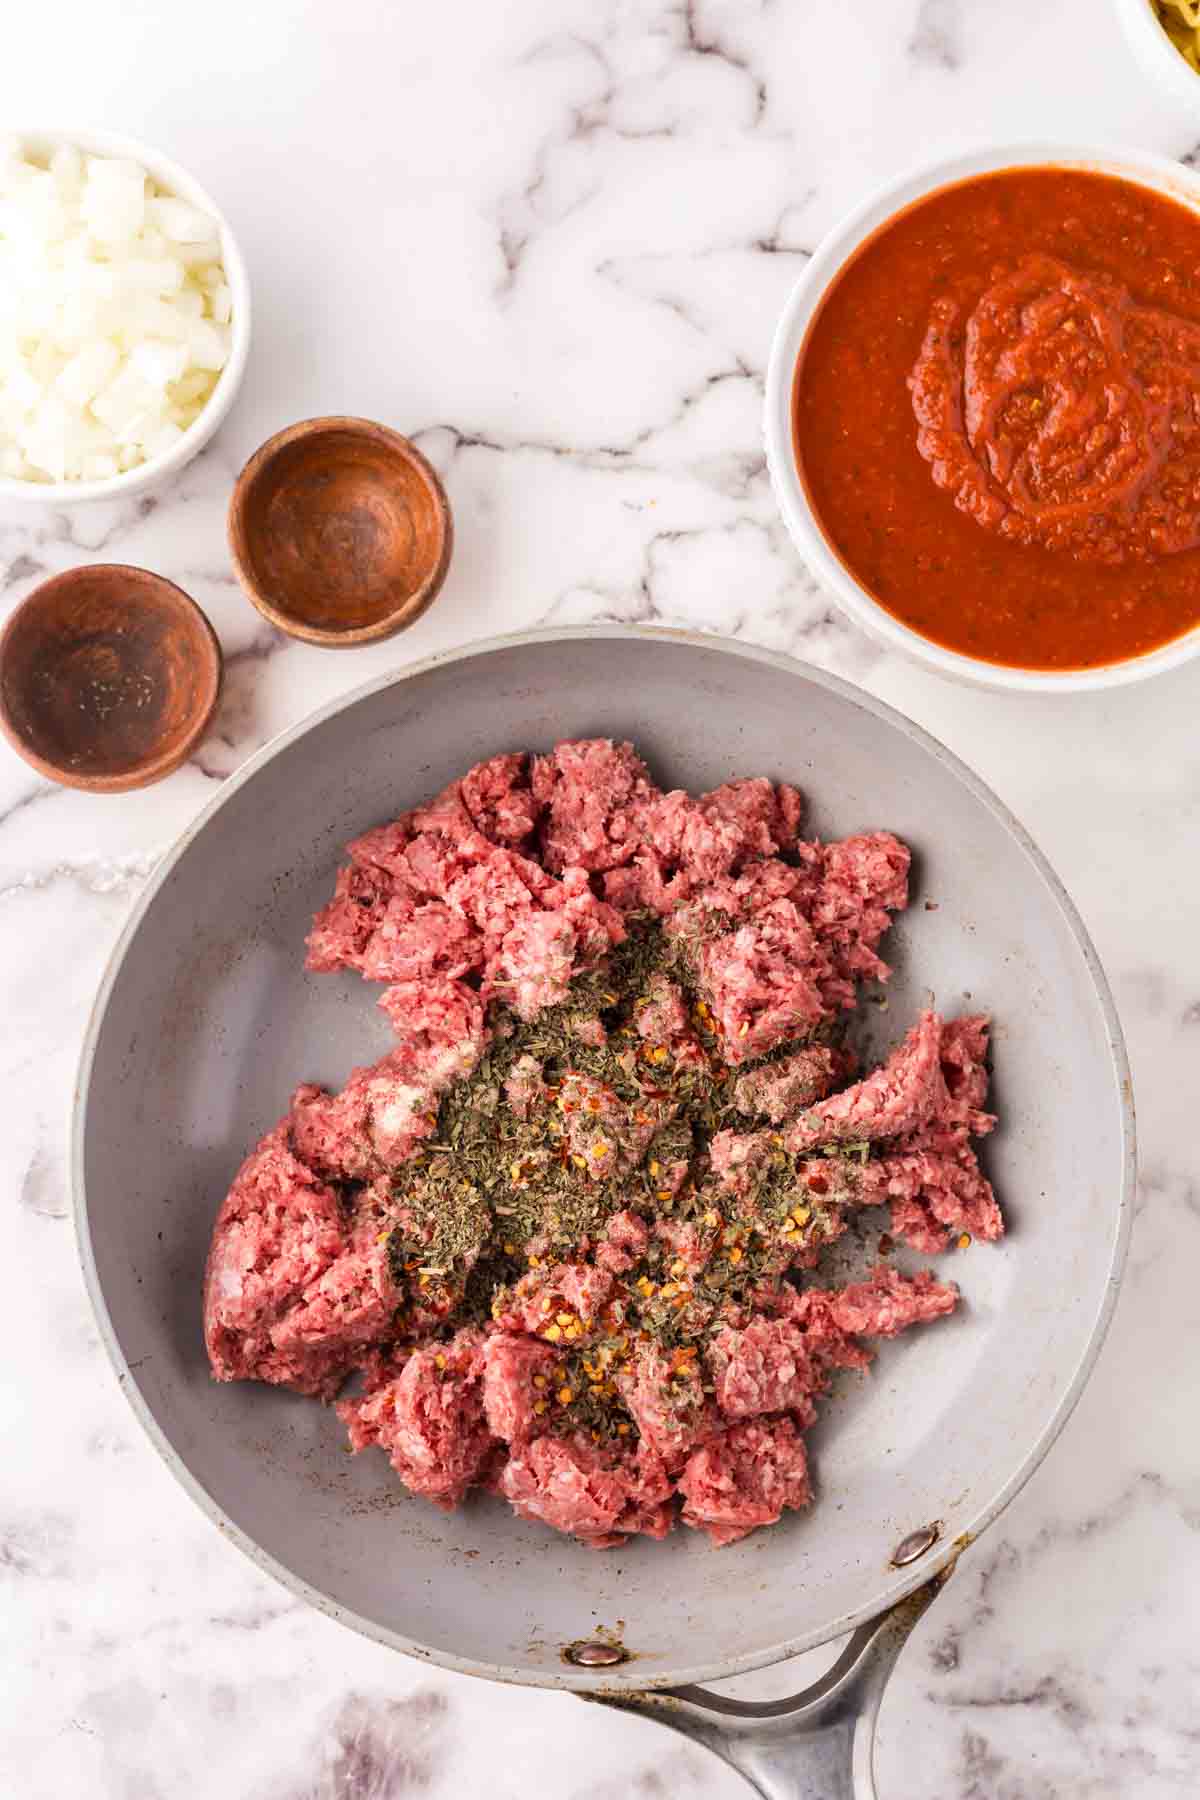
549	238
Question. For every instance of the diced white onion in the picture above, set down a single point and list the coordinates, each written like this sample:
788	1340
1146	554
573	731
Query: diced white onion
114	315
91	367
181	223
113	204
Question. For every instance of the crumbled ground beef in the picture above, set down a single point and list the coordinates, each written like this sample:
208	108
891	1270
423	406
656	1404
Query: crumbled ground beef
429	1419
890	1102
292	1294
779	1090
516	1376
595	1493
763	1368
561	1230
745	1477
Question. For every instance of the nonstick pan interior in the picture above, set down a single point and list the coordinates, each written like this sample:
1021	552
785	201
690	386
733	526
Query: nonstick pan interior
207	1019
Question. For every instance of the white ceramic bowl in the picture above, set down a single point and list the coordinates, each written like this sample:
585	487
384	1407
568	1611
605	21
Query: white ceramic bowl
1156	172
1159	59
174	180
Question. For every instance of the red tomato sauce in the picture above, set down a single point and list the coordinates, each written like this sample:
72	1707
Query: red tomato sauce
997	418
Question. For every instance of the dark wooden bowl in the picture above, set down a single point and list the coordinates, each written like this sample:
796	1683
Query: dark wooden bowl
109	676
340	531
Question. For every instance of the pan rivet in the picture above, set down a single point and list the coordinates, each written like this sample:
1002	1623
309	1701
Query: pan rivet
595	1655
915	1545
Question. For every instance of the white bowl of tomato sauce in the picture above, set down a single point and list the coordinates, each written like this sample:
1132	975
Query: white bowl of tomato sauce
983	416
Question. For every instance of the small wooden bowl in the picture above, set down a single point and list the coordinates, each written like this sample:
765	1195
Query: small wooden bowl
109	677
340	531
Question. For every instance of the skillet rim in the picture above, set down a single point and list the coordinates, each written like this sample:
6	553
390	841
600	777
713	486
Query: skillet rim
613	1681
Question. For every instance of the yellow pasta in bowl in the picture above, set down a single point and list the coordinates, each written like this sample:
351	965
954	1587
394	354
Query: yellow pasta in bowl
1164	37
1180	19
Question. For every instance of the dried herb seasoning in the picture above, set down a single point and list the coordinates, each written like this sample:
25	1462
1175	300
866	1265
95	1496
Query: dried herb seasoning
574	1116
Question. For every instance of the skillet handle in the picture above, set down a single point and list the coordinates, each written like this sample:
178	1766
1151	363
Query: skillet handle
820	1744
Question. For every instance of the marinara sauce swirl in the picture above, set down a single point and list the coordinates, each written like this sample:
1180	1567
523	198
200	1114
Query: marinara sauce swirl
1059	413
997	417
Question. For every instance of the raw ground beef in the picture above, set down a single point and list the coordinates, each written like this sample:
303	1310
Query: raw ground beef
930	1176
779	1090
453	917
374	1122
888	1303
764	1368
625	1239
892	1101
745	1478
563	1231
516	1374
542	1297
292	1294
667	1402
778	947
922	1108
596	1495
781	1363
429	1419
590	793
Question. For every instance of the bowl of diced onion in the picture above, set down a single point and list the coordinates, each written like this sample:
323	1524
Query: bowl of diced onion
124	316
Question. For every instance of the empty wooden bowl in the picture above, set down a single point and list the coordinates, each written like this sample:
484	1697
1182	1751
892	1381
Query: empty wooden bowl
109	676
340	531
